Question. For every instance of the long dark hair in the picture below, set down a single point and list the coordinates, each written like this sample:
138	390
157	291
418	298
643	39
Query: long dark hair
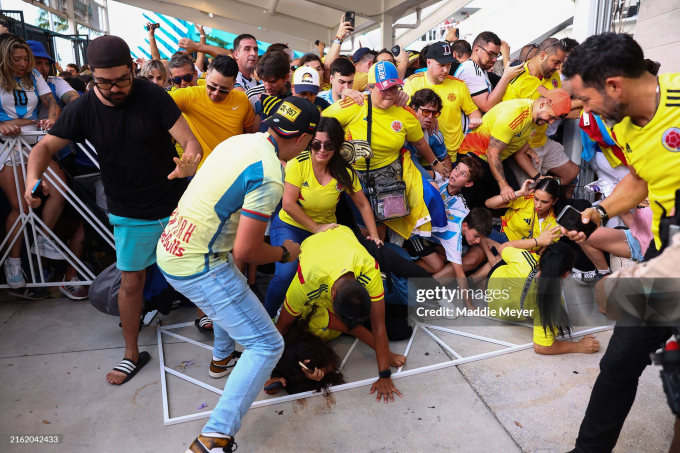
552	188
300	346
338	167
557	259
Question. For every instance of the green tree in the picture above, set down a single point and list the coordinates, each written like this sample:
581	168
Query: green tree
60	23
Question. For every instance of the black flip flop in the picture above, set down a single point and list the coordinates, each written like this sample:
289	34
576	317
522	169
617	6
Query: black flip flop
130	368
201	322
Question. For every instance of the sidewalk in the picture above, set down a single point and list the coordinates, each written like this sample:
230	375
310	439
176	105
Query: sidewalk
56	354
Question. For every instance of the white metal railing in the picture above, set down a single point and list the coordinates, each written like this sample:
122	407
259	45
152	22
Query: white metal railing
17	150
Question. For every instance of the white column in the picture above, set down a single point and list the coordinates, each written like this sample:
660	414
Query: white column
386	31
70	17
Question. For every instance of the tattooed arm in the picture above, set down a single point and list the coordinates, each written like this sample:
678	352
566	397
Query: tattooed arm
493	154
69	96
54	110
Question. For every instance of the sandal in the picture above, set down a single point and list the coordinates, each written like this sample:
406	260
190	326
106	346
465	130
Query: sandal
130	368
202	322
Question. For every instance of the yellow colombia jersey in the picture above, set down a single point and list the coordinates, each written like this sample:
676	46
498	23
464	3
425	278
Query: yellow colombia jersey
654	150
390	129
242	177
512	276
324	258
317	201
456	98
525	86
510	122
214	122
521	221
360	81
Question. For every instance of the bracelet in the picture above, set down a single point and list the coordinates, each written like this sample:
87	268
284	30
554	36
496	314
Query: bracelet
538	175
152	37
536	242
337	41
202	36
337	38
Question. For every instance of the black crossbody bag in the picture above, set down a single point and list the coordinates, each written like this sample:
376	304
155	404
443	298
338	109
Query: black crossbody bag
388	199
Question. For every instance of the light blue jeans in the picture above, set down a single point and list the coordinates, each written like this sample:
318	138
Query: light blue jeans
237	315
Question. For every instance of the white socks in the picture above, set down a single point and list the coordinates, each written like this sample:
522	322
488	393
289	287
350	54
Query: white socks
604	272
14	261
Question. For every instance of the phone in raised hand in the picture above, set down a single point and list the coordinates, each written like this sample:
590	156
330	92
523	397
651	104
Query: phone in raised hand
349	17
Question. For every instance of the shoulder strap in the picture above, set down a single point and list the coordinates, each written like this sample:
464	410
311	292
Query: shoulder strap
369	120
527	286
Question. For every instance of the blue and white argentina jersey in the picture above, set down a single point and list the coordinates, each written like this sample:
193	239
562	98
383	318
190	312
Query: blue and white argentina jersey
456	211
23	101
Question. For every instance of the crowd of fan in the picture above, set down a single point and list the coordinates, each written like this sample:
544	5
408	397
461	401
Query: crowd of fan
473	136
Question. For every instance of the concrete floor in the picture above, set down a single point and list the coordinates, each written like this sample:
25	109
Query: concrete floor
55	354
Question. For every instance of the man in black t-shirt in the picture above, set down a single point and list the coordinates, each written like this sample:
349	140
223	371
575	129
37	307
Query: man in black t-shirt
131	124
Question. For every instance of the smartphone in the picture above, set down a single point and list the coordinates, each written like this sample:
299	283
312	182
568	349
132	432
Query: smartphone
493	251
458	33
36	192
305	367
516	63
396	50
316	43
570	218
349	17
153	26
274	385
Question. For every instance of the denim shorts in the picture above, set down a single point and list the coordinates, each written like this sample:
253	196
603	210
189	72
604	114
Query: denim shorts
136	241
634	246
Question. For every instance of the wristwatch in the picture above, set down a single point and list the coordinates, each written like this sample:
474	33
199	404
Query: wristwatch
286	255
384	374
538	175
434	162
604	217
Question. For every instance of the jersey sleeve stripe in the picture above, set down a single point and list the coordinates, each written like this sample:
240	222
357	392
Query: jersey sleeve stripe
290	310
299	274
255	215
379	296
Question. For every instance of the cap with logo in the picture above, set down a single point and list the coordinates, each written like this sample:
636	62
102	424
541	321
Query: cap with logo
560	102
440	52
384	75
39	50
359	54
306	79
108	51
295	116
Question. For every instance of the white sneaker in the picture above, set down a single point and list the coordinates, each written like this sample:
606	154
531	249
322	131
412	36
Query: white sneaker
74	292
46	250
584	278
449	311
14	275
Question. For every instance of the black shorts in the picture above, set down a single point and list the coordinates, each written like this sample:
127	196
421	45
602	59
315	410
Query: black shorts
418	247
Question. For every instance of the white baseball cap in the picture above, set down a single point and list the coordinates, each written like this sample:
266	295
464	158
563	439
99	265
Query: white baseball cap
306	79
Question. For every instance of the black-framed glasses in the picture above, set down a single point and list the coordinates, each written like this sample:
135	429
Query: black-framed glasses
110	85
428	112
186	77
561	42
491	54
220	90
316	145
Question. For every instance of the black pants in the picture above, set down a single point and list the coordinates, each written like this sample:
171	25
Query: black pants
487	186
614	391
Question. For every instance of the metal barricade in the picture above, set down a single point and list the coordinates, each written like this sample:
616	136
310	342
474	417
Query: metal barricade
17	150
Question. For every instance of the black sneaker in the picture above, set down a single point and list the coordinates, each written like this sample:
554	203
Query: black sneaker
29	293
257	292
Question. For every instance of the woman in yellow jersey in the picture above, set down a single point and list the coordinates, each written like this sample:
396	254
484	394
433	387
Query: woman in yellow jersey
529	216
391	126
315	181
531	287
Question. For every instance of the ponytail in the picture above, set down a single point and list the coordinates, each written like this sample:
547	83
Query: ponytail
557	259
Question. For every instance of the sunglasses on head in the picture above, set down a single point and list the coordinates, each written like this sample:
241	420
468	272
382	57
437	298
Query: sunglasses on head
212	88
186	77
428	112
561	42
316	145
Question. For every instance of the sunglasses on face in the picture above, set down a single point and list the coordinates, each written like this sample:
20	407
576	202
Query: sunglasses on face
427	112
491	54
317	145
220	90
110	85
186	77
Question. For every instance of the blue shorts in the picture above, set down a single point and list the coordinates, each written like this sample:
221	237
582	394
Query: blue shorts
497	236
634	246
136	241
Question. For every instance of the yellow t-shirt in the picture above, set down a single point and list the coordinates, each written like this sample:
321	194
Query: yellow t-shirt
390	129
214	122
654	150
317	201
325	257
512	277
525	86
360	81
455	97
509	122
521	221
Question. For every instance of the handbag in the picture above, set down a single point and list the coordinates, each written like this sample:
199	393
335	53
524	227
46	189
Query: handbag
387	198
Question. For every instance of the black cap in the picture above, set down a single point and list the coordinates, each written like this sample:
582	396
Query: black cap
294	116
441	52
359	54
108	51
